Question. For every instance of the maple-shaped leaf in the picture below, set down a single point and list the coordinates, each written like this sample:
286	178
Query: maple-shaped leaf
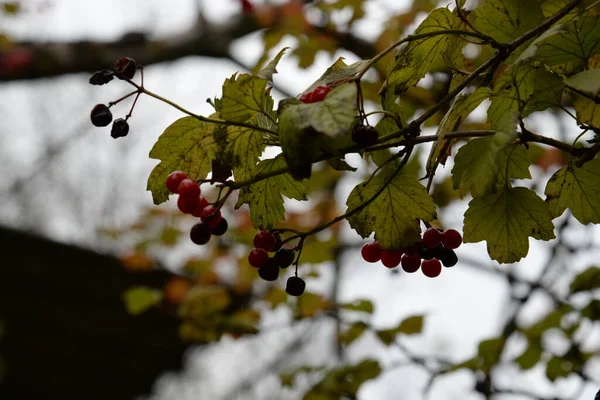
480	165
506	220
524	88
573	42
416	59
505	20
461	107
265	197
187	145
245	96
271	68
577	188
239	148
395	214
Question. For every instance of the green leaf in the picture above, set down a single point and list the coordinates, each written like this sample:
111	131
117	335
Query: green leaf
573	42
558	368
505	20
530	357
411	325
506	220
523	89
489	352
338	71
588	112
265	197
353	332
344	381
339	164
333	116
140	298
459	110
395	214
586	81
271	68
480	165
592	310
551	320
244	96
586	280
359	305
412	63
578	189
240	149
187	145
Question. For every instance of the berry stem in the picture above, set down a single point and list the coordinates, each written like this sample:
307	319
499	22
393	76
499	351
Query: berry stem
197	116
120	99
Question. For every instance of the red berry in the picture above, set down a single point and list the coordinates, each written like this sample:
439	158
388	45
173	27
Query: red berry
451	239
391	259
371	252
247	7
432	237
431	268
174	179
187	204
258	257
211	216
200	206
320	92
307	97
411	263
200	233
265	240
125	68
188	188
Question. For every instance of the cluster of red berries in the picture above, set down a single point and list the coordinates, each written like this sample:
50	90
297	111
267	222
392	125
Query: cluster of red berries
435	248
316	95
269	266
191	201
101	116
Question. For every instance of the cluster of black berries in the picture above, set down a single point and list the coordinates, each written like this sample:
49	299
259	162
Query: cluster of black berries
191	202
268	266
435	248
101	116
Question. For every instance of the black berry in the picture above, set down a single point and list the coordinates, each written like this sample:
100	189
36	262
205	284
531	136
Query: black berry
200	233
125	68
427	254
221	228
101	115
285	257
102	77
364	135
295	286
270	271
448	257
119	129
